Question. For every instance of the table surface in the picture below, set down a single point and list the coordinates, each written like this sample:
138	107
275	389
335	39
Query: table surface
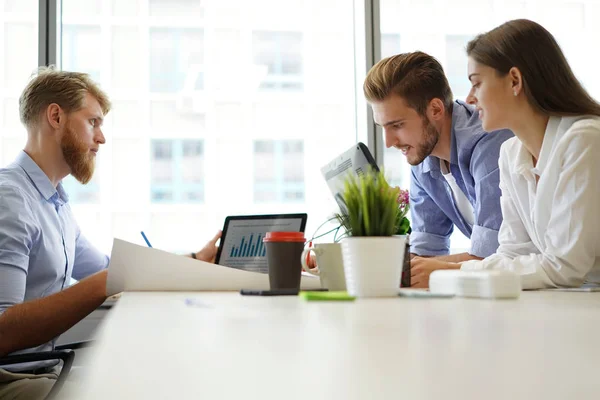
228	346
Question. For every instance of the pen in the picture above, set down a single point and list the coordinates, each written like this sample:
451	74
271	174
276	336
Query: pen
146	239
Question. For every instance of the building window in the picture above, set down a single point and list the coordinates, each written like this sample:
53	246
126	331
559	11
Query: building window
176	60
278	171
456	65
177	171
281	54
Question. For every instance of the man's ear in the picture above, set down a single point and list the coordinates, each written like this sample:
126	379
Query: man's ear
436	110
54	115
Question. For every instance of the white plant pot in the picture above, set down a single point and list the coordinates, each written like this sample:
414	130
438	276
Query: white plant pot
373	265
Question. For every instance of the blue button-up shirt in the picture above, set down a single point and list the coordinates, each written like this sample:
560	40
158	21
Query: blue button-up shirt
474	164
41	245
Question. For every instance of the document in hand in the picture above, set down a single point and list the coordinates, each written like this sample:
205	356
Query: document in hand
139	268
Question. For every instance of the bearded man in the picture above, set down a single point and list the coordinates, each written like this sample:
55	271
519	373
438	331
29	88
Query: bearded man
41	245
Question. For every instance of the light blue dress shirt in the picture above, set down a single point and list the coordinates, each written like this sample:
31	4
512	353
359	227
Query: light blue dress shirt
41	245
474	165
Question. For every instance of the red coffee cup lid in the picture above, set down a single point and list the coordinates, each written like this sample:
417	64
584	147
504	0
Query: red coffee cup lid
284	237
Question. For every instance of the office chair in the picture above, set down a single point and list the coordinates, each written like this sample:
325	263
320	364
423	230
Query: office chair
64	352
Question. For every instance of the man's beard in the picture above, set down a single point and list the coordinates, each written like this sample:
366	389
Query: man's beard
78	156
430	139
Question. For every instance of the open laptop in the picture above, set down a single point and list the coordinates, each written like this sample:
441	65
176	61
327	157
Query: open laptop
241	244
357	160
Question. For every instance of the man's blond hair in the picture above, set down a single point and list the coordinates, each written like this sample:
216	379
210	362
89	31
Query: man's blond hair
67	89
416	77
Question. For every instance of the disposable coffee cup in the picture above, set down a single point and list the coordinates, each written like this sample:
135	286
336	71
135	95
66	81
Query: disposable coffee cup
283	259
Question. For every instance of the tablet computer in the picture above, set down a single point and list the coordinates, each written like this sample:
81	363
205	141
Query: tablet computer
241	243
357	159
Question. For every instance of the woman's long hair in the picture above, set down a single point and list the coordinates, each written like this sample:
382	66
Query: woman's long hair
548	81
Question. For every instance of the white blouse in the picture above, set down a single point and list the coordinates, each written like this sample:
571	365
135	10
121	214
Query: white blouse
550	234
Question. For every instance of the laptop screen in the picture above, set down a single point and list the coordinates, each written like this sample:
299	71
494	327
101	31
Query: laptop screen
356	160
242	240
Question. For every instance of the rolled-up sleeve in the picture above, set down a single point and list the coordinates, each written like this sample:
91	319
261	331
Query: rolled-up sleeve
487	210
88	259
488	214
17	230
431	228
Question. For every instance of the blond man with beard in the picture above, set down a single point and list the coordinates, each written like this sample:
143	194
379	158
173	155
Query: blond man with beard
41	245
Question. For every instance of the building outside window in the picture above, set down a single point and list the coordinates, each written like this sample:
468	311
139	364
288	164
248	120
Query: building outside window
177	171
281	53
278	171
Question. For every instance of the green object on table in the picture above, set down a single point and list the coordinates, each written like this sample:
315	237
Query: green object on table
326	296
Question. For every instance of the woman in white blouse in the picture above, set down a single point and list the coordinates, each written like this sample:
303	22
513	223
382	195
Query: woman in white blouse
550	170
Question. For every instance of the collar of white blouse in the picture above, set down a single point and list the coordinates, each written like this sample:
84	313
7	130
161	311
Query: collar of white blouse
524	159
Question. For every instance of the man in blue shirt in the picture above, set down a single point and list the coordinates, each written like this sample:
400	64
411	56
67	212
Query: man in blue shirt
41	245
455	176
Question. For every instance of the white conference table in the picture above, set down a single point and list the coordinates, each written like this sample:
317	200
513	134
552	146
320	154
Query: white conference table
227	346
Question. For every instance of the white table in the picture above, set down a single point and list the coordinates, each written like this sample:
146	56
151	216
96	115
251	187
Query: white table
85	329
154	346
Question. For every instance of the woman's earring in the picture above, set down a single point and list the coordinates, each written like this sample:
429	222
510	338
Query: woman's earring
515	93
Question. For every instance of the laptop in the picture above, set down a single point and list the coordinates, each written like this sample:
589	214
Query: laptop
241	244
357	159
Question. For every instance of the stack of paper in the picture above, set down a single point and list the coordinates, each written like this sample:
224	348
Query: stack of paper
138	268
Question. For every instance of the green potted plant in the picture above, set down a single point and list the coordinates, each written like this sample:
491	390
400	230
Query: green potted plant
376	227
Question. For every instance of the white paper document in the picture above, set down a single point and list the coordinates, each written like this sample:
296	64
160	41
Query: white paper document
138	268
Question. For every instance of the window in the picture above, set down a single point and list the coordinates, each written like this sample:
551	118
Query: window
390	44
77	8
82	194
78	52
192	95
176	58
278	171
456	65
125	44
122	8
175	8
177	171
281	53
18	59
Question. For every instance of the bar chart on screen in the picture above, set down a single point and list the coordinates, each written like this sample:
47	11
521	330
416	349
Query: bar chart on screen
245	249
251	246
243	246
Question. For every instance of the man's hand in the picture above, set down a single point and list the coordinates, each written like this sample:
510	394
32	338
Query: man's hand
421	268
209	251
